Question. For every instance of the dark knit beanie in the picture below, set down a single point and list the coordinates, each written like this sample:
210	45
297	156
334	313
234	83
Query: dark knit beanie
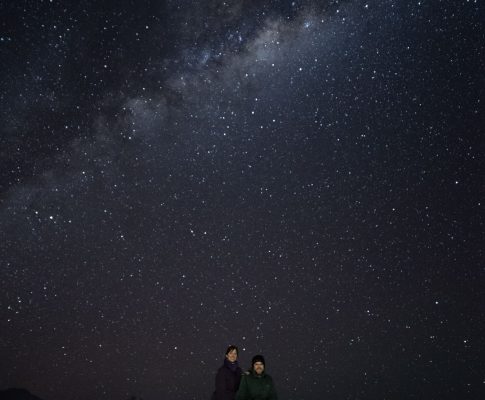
258	358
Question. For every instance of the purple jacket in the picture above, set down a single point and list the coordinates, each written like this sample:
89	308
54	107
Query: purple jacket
227	382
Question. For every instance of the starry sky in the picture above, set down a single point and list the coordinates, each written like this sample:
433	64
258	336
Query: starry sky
301	179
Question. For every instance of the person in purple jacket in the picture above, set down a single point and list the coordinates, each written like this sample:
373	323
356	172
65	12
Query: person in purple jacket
228	376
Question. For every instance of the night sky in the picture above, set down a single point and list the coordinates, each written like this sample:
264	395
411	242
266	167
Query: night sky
301	179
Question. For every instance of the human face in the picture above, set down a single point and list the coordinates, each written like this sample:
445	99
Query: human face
232	355
258	367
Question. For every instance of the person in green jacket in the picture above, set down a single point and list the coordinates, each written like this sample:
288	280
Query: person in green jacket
256	384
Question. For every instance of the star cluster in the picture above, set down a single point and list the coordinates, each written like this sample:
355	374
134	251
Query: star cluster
302	179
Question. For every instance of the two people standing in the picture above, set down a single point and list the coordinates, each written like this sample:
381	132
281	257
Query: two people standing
233	384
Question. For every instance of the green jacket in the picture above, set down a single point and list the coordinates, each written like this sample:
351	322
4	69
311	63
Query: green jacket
256	387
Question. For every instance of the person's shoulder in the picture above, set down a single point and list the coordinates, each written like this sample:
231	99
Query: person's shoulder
245	375
222	368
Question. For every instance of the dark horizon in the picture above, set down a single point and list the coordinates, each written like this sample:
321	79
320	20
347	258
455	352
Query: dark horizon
24	394
303	179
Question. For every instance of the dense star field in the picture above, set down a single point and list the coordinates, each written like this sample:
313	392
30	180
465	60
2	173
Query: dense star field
301	179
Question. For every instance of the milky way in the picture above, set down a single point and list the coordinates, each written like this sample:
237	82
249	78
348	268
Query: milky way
301	179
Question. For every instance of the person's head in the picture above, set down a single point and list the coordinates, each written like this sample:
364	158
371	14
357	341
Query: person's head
258	364
231	353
